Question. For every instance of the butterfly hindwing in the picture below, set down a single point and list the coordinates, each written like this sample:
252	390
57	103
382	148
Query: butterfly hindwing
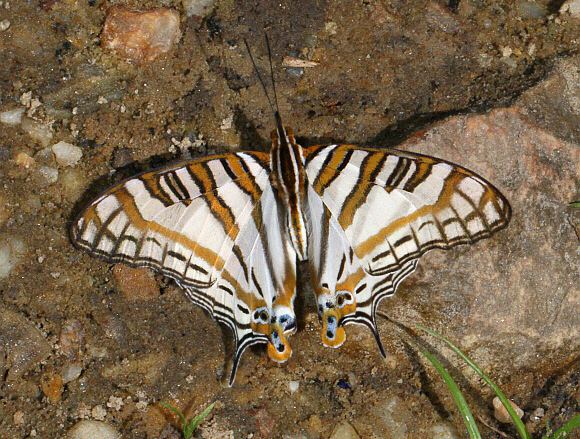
213	226
383	209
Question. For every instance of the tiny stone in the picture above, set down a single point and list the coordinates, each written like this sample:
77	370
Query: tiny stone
331	28
24	160
506	51
227	123
71	338
501	414
533	10
295	71
12	117
102	100
98	413
50	174
4	25
86	429
52	386
293	386
199	8
115	402
18	418
444	431
25	98
39	132
11	251
344	431
66	154
537	414
71	372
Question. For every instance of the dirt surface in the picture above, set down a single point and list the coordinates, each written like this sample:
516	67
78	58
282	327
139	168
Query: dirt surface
80	339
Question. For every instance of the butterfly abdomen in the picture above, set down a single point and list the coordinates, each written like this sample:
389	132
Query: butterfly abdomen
289	179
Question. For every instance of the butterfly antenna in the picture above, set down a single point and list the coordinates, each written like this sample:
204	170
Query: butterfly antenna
272	73
260	78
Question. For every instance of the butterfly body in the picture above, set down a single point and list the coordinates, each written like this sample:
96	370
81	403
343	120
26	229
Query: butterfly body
229	229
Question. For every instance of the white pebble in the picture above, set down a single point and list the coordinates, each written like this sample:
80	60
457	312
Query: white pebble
572	7
71	372
92	429
12	117
98	413
4	25
200	8
38	131
49	174
66	154
115	402
11	251
344	431
293	386
501	414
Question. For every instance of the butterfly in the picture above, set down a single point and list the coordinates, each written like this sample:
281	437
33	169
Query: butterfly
230	228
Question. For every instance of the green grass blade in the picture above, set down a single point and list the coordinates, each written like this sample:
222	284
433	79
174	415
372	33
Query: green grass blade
575	205
194	423
466	414
176	411
566	429
519	425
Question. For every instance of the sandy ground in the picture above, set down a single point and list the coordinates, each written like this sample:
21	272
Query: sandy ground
387	71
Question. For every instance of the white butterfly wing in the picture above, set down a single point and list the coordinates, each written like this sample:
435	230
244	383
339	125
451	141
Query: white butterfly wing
212	226
394	206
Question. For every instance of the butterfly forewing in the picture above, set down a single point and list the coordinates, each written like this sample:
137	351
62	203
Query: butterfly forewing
394	206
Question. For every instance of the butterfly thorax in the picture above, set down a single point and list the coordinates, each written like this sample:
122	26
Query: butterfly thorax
288	179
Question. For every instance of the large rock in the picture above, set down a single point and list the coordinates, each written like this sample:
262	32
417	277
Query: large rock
513	297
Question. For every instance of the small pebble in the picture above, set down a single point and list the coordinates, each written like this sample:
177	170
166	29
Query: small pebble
571	7
49	174
52	386
4	25
293	386
86	429
537	414
66	154
501	414
344	431
12	117
18	418
24	160
199	8
533	10
331	28
11	251
115	402
71	372
98	413
444	431
71	338
140	35
38	131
